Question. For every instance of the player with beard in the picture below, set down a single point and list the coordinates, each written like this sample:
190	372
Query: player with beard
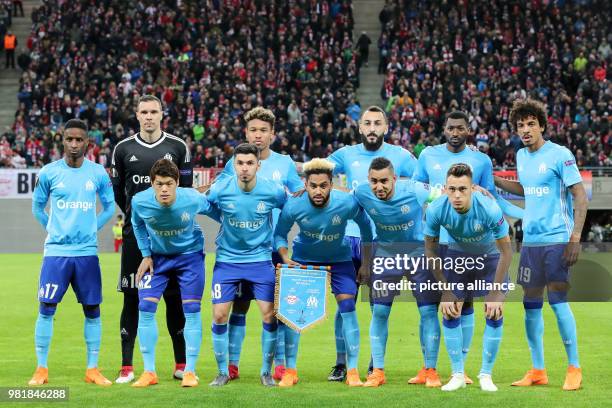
131	163
354	161
322	215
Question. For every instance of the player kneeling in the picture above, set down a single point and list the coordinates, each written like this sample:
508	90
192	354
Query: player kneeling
322	215
473	222
171	243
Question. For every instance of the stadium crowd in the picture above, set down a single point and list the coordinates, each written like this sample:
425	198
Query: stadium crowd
210	61
480	55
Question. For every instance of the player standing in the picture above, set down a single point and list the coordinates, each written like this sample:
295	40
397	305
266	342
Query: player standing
472	222
171	243
395	207
71	247
282	170
432	166
354	161
244	253
322	215
131	163
555	210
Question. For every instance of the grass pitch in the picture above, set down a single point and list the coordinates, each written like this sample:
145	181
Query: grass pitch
18	311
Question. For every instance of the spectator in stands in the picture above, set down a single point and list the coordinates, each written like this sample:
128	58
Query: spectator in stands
479	55
209	62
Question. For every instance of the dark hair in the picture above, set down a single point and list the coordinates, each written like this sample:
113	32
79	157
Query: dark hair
374	108
76	124
149	98
459	170
523	108
246	148
381	163
164	168
458	115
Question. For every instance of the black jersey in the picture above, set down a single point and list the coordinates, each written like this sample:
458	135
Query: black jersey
132	161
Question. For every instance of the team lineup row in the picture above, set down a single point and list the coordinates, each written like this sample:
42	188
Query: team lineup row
345	230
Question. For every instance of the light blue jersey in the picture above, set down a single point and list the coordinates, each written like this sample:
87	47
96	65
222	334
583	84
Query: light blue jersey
72	223
354	161
434	162
399	219
278	168
246	219
171	230
473	232
546	176
321	237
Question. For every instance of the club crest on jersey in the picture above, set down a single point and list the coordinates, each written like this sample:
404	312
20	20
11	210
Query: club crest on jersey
356	163
185	217
276	176
404	209
89	186
542	168
152	220
230	206
60	185
478	227
133	158
305	220
168	156
336	220
437	166
447	226
261	207
373	211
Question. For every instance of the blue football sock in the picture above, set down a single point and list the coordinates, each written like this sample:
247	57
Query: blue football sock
567	329
193	339
467	329
379	331
454	343
429	334
340	343
237	332
350	327
43	332
534	327
491	340
220	340
268	345
279	352
147	338
292	342
93	336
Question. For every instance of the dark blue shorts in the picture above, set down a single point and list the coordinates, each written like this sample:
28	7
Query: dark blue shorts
381	293
540	265
188	270
259	277
470	269
82	272
244	292
343	277
355	244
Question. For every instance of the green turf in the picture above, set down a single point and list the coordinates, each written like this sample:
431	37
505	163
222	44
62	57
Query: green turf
18	310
